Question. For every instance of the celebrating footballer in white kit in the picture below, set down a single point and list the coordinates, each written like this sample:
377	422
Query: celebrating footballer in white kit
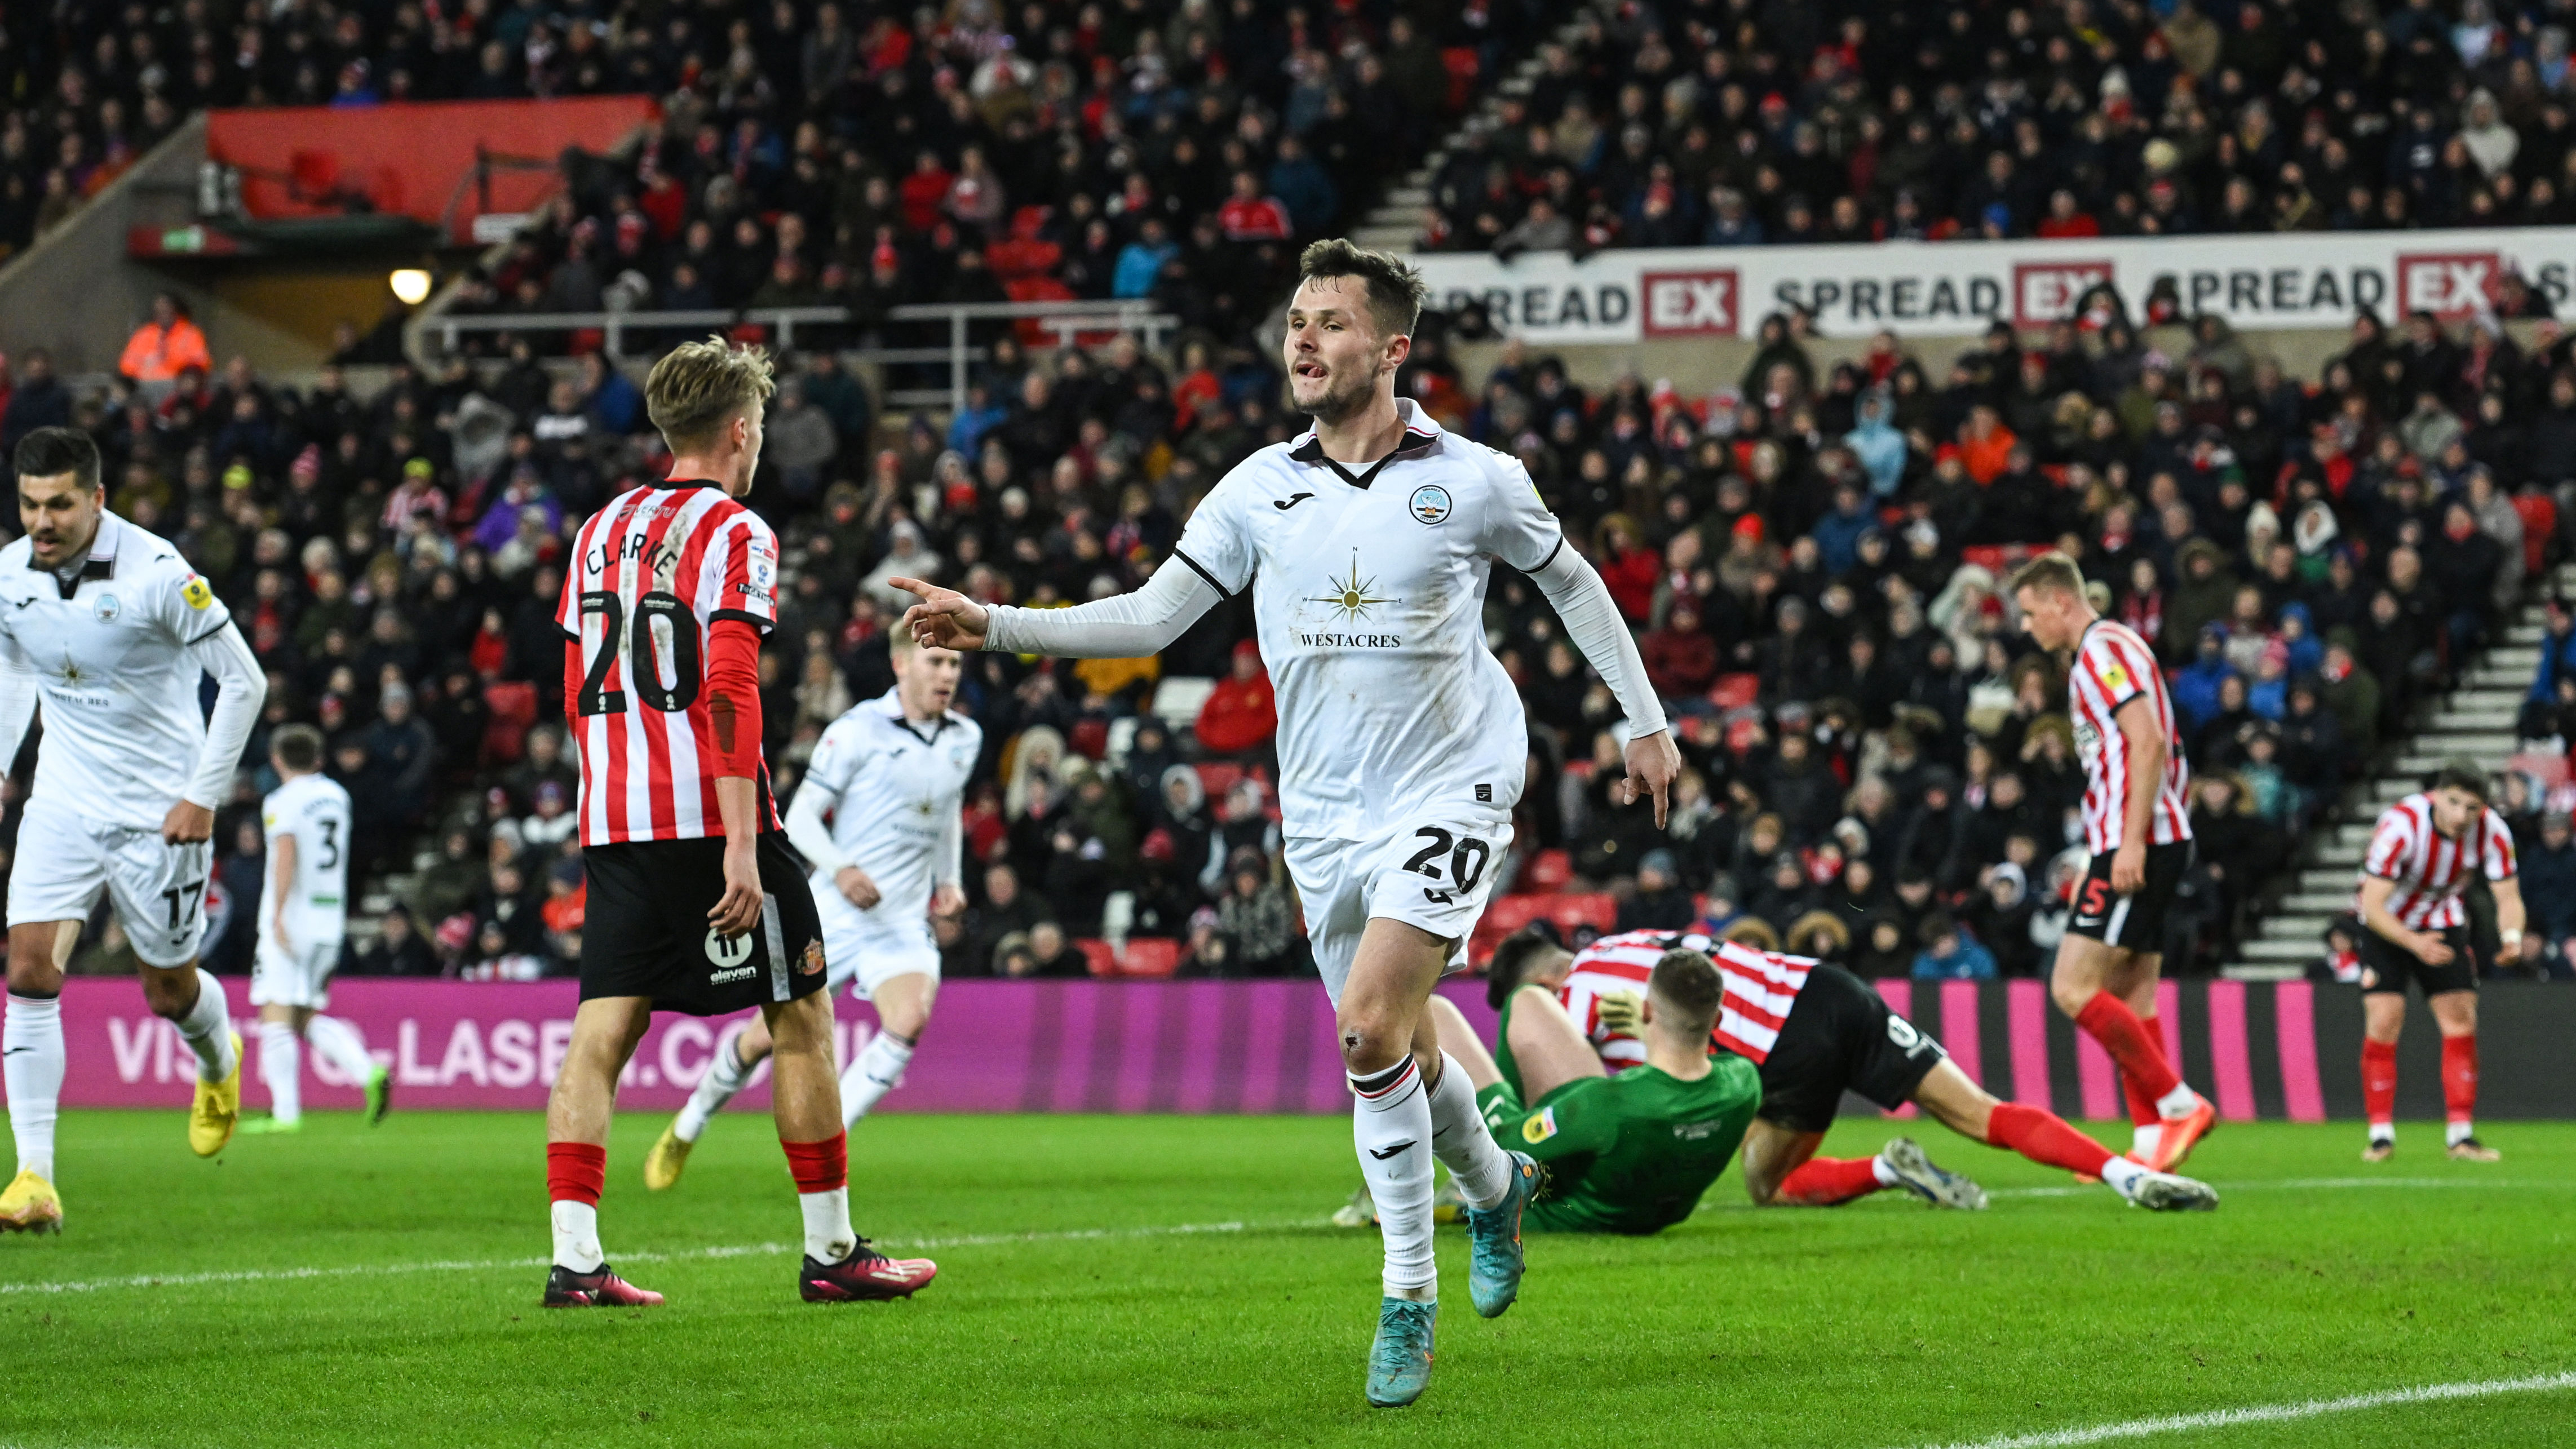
878	817
1366	544
109	630
303	923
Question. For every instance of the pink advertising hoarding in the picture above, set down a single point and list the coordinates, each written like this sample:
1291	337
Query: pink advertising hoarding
998	1046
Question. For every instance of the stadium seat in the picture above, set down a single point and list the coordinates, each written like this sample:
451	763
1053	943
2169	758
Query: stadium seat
1735	691
1151	956
1218	776
1570	912
1103	959
1090	737
1548	870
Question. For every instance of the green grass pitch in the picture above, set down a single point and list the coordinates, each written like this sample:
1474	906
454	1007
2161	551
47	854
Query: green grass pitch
349	1286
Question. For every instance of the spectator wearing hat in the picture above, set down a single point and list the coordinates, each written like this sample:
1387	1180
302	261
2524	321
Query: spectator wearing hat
398	949
1660	901
2549	886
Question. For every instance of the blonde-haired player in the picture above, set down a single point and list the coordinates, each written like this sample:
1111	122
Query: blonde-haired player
303	922
877	817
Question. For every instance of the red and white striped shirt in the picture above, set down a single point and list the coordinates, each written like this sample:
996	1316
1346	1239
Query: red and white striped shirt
2113	666
1757	988
2432	869
650	574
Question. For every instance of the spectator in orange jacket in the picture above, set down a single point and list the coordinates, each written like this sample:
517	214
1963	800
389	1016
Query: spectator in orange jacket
161	347
1240	715
1985	444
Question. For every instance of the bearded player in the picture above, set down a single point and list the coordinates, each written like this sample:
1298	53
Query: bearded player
1366	544
878	819
696	903
111	631
2139	832
1814	1031
2423	853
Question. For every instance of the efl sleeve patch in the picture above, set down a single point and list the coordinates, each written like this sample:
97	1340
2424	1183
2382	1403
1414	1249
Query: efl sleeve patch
196	592
1539	1126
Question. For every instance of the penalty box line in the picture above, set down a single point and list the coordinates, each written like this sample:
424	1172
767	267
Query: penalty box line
2272	1413
740	1250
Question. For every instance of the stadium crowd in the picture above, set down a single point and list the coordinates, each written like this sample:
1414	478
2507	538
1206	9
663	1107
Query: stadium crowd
1878	766
1726	123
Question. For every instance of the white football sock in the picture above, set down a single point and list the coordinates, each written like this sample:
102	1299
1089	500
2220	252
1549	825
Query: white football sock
1462	1141
1885	1174
340	1045
1391	1124
2121	1175
2143	1141
725	1076
2179	1102
208	1030
577	1236
281	1065
828	1235
2383	1132
31	1052
878	1070
2459	1132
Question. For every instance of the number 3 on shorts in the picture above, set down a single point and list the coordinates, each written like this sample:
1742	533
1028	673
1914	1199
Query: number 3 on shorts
1467	860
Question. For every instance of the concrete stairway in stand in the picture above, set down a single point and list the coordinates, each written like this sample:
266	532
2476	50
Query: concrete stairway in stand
2476	721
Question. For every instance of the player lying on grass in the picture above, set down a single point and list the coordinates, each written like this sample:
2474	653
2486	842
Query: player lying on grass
1815	1031
1630	1152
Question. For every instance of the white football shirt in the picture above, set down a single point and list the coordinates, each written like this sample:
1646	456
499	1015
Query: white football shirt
109	655
313	809
892	789
1368	593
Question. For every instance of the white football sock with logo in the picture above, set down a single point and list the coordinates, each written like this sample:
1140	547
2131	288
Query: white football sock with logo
878	1070
281	1066
1391	1123
31	1070
1462	1141
725	1076
208	1030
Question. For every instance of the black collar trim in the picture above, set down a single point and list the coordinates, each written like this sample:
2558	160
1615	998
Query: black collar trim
92	568
1416	444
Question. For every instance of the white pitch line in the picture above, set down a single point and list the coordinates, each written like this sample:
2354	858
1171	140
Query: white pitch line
2271	1413
740	1250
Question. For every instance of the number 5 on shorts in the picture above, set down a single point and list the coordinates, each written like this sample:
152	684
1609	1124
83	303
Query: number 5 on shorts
2097	897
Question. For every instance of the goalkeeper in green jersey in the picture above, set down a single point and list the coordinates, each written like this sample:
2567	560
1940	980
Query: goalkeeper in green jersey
1630	1153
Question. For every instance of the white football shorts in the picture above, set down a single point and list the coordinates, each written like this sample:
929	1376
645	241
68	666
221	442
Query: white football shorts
159	890
301	977
1433	874
867	949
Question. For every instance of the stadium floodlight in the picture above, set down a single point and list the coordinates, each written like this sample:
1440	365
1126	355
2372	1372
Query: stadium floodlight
410	284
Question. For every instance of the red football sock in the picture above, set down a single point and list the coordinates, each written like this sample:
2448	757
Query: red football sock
575	1171
2108	1020
2044	1137
2460	1077
2142	1103
819	1166
1830	1181
2379	1081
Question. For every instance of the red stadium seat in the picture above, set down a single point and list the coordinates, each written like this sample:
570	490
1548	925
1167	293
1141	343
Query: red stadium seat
1012	260
1218	776
1151	956
1735	691
1548	870
1509	913
1104	962
1028	221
